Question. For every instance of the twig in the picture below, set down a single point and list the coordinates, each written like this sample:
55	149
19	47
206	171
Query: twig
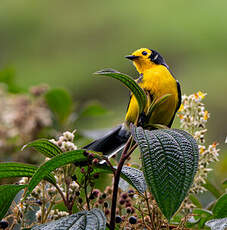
109	163
125	154
62	195
85	191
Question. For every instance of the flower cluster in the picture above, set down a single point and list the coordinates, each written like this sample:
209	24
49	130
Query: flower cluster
193	117
45	196
65	142
22	116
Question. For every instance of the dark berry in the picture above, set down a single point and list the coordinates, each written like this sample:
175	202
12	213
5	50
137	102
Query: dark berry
74	177
124	195
80	200
91	156
86	153
95	193
128	205
103	196
77	193
91	197
107	212
96	175
118	219
131	193
105	204
39	202
128	210
121	201
4	224
132	220
82	170
91	169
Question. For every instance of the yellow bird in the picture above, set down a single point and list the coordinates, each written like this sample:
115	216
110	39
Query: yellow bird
156	80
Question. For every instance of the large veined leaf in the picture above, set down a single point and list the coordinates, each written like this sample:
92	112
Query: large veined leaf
85	220
7	195
220	208
133	176
60	160
170	161
14	169
60	102
44	146
217	224
129	83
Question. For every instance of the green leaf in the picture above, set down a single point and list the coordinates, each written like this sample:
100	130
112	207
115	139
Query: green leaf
220	208
212	189
7	195
133	176
224	183
129	83
60	102
157	103
195	201
13	169
85	220
92	109
217	224
44	146
7	76
203	215
75	156
170	161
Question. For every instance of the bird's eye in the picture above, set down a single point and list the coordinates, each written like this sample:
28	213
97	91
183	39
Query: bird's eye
144	53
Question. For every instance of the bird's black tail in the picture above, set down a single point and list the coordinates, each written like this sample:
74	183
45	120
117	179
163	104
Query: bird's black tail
110	143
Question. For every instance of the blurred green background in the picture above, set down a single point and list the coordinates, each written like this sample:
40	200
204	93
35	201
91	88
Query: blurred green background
63	42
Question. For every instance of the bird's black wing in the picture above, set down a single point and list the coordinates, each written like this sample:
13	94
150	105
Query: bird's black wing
179	103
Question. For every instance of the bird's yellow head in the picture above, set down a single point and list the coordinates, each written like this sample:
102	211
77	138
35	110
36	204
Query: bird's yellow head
144	59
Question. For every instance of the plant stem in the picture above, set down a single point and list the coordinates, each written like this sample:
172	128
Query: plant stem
62	196
85	191
125	154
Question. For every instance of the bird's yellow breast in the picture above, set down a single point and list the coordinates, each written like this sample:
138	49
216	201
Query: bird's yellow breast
156	82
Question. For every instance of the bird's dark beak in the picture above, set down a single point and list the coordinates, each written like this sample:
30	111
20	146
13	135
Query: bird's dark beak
131	57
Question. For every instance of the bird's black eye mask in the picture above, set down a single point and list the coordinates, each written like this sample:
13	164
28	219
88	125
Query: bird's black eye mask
157	58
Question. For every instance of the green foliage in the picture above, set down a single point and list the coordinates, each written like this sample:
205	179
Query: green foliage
94	219
76	156
133	176
13	169
154	105
212	189
170	159
220	208
7	76
195	200
7	194
129	83
224	184
44	146
60	102
92	109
